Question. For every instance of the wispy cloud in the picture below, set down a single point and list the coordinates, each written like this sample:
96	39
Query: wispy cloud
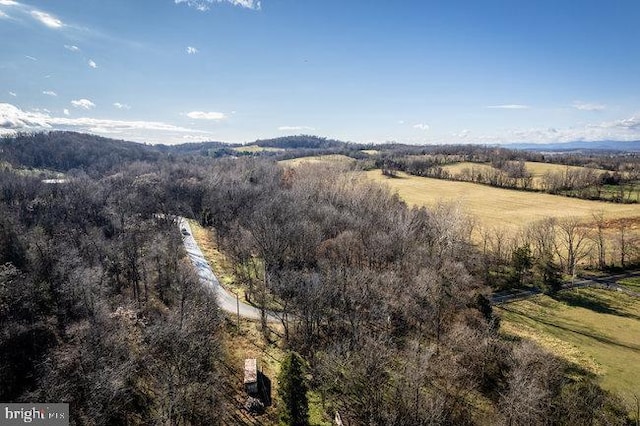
121	106
4	15
92	64
14	119
13	94
30	58
588	106
294	128
421	126
201	115
65	111
47	19
508	106
631	123
72	47
191	50
627	129
83	103
49	93
204	5
8	3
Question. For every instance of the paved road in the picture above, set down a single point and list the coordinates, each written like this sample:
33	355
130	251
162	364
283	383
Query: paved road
609	282
226	300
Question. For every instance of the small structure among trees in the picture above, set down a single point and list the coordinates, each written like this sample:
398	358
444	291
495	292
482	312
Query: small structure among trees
257	386
251	376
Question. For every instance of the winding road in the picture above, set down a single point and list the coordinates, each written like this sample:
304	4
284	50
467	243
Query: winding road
227	301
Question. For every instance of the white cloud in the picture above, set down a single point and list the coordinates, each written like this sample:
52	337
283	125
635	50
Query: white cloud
30	57
92	64
8	3
421	126
632	123
191	50
295	128
83	103
204	5
587	106
4	15
47	19
49	93
201	115
121	106
12	94
619	130
72	47
14	119
65	111
508	106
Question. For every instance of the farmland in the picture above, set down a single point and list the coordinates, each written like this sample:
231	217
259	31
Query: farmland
327	159
536	169
256	148
596	330
497	207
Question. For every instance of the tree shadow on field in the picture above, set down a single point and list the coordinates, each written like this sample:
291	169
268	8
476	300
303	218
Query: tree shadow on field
572	329
595	304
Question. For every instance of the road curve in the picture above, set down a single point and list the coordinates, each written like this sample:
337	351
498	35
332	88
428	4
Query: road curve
226	300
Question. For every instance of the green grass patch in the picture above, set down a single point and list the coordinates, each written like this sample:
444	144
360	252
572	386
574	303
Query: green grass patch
317	415
632	284
597	331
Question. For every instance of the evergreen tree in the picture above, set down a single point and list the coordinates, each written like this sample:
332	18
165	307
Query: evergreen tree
293	391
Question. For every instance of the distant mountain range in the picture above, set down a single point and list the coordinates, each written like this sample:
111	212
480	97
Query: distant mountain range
629	146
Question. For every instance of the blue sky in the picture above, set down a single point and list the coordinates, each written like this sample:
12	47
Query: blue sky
176	71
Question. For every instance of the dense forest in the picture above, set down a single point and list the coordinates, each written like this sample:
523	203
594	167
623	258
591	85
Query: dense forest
387	305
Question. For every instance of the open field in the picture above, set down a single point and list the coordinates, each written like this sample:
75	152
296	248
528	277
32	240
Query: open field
497	207
596	330
457	168
537	170
333	158
256	148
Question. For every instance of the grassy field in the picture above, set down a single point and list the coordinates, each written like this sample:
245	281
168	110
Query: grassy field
598	331
632	284
537	170
256	148
497	207
328	159
457	168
